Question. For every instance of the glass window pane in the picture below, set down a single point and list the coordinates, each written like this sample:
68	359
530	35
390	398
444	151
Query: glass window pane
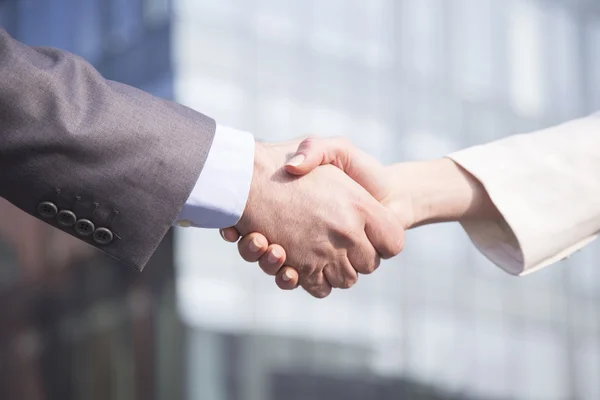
588	368
421	24
593	64
156	11
362	31
275	21
125	21
370	30
490	350
32	25
6	15
483	124
475	55
327	29
584	274
541	365
563	63
89	29
525	58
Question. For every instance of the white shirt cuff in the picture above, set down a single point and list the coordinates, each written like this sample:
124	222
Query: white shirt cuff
219	197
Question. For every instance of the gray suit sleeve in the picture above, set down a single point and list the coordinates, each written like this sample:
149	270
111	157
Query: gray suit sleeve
105	162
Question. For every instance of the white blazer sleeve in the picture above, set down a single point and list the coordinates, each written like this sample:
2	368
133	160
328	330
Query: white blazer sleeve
546	185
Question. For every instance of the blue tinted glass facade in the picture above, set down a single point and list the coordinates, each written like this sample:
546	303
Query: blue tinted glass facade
124	39
80	325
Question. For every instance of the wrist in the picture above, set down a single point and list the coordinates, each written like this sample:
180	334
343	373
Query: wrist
267	169
439	191
447	192
258	173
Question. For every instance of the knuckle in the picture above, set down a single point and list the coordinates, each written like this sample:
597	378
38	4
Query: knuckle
375	264
268	269
362	208
369	264
345	229
247	257
364	257
369	268
309	141
315	287
396	247
308	279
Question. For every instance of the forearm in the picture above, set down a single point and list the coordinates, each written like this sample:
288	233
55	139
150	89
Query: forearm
438	191
104	162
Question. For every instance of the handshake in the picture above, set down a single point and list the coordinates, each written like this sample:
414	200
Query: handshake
320	211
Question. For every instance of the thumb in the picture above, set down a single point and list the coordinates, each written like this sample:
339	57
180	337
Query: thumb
311	153
358	165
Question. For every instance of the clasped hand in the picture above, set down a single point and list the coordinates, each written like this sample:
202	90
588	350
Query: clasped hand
327	224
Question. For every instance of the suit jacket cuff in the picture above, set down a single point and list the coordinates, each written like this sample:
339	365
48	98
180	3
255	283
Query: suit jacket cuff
219	197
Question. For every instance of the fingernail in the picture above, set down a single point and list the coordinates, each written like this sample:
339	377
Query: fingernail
223	234
274	256
287	276
254	245
296	160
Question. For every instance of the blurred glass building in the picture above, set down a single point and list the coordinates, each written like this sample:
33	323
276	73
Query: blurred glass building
404	80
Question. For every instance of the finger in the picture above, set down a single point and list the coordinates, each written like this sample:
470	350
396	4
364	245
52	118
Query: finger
252	246
363	257
384	230
229	234
363	168
313	152
287	278
343	275
316	284
272	260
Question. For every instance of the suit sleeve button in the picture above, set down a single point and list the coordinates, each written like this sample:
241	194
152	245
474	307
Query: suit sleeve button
184	223
84	227
103	236
66	218
47	209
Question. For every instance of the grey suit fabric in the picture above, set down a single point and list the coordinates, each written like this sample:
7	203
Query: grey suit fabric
110	153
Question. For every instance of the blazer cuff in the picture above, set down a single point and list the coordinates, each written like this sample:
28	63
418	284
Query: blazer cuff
496	240
524	240
219	196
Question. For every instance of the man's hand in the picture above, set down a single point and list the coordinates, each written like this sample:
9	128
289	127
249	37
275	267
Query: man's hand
380	181
331	227
359	166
